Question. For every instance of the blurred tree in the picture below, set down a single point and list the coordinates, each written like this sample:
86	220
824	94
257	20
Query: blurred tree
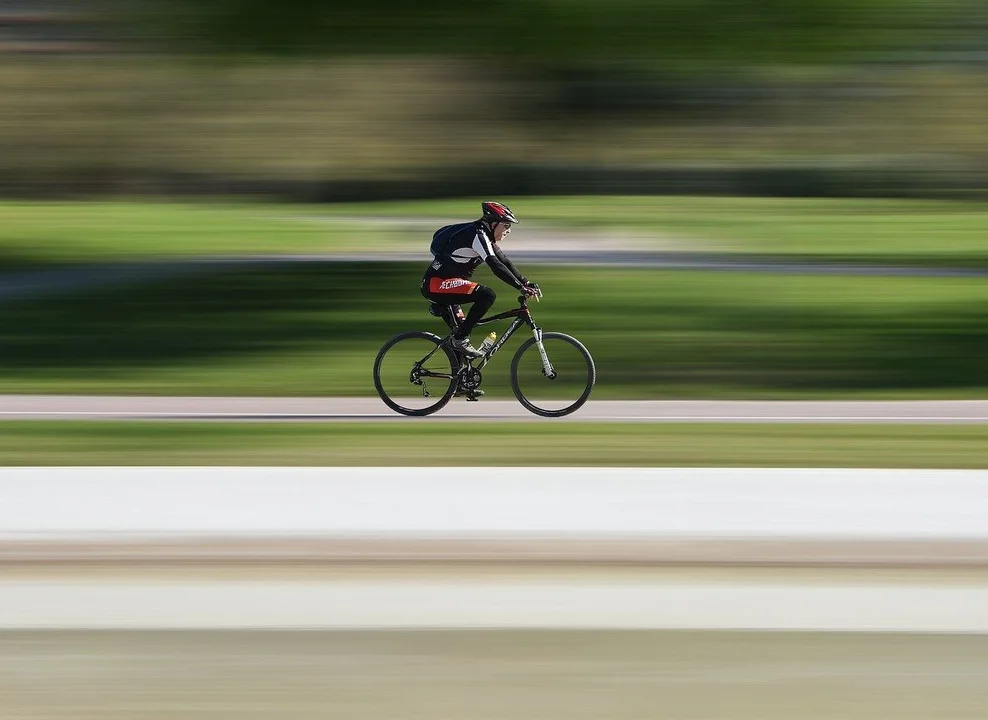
688	32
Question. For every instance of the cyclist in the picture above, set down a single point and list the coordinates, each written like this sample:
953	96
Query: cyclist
457	251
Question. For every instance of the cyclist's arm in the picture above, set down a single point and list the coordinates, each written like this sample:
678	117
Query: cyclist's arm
489	253
510	265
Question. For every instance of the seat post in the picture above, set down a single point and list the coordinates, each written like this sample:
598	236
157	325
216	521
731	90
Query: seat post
452	315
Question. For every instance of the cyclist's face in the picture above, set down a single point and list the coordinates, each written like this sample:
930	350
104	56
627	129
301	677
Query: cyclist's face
500	230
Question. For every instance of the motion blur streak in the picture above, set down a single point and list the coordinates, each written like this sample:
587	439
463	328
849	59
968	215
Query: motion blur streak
722	199
304	98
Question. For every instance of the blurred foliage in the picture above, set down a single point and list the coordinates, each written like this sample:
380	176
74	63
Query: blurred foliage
314	328
569	31
371	128
541	96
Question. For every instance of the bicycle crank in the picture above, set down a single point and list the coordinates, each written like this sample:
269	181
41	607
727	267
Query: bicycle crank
469	384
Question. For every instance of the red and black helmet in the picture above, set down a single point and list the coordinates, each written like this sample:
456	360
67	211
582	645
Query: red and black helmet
495	212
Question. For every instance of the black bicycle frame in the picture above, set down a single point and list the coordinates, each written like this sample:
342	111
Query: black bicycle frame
522	316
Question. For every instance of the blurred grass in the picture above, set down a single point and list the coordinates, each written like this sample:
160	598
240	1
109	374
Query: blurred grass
908	232
911	232
314	329
40	233
413	443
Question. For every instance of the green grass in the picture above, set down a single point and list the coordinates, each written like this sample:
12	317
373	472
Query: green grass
315	328
39	233
413	442
890	231
886	231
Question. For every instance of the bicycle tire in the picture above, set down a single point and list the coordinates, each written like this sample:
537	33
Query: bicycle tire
389	400
528	403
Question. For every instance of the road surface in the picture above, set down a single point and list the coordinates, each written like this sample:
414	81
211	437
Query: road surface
96	407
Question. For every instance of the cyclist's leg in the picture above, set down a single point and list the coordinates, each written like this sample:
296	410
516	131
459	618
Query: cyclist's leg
482	298
457	291
452	315
444	305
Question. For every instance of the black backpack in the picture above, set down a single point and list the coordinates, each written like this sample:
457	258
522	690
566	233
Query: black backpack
443	235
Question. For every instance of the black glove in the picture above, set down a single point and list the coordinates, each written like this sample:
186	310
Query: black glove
531	290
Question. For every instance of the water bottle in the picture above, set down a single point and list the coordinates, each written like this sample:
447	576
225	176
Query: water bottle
488	343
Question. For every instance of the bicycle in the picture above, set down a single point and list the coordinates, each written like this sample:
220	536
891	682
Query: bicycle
552	374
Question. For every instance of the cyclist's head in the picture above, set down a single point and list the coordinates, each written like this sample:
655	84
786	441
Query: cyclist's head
498	218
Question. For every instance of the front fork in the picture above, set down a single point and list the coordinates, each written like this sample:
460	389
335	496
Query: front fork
547	368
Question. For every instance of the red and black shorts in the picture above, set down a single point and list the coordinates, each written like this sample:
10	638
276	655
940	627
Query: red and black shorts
446	294
449	293
446	287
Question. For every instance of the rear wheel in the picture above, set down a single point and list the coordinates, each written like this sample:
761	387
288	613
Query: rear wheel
567	387
414	374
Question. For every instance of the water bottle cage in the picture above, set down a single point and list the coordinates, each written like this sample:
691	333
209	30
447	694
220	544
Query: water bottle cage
488	343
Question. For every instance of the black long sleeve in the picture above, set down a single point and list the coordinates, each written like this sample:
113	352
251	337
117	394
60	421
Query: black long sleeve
510	267
502	271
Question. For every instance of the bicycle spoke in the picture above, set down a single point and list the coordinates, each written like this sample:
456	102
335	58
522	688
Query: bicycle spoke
556	389
412	375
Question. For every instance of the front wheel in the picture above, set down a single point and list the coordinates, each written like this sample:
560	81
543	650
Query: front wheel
565	387
415	374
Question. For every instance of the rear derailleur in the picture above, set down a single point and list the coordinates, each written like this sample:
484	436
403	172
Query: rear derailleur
415	378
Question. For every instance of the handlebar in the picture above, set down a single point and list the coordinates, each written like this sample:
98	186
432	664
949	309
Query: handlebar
523	299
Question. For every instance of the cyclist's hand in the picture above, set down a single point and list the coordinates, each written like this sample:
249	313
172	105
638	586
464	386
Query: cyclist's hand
532	290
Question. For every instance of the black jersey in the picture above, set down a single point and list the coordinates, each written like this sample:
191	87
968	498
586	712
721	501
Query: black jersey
459	249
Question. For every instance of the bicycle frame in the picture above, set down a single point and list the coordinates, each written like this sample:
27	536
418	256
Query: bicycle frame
522	316
461	376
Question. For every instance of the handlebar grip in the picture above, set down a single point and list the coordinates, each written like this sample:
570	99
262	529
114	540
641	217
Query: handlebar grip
537	295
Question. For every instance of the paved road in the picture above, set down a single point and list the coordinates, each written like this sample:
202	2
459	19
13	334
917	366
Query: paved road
80	407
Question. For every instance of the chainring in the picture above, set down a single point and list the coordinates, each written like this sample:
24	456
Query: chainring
471	379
